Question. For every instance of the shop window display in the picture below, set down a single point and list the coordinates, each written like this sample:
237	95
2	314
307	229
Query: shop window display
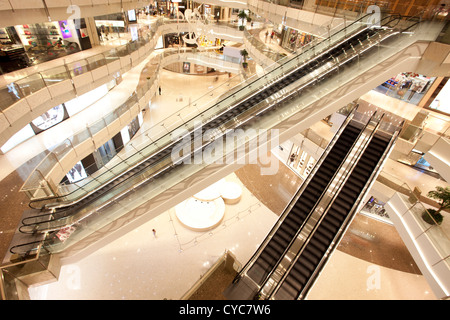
375	208
406	86
47	41
110	27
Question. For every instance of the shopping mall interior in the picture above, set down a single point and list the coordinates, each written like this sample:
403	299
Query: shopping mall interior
225	150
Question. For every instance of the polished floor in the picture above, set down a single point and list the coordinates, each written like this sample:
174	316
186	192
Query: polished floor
370	263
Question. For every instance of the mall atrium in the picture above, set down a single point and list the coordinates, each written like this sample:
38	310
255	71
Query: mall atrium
212	149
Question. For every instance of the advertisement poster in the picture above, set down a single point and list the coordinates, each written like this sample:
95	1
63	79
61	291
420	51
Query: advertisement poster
65	29
186	67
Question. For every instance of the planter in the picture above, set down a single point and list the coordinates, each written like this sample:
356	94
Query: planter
245	64
438	218
241	28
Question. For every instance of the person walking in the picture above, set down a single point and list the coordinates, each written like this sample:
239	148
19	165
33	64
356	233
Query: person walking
154	233
159	90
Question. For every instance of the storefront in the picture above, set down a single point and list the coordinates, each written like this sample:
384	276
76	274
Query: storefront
374	208
100	157
28	44
292	39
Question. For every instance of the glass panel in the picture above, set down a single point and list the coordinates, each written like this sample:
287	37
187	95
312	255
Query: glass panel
9	95
55	75
31	84
96	61
77	68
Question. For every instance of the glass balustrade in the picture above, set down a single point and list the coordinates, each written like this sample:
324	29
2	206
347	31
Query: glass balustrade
415	204
136	195
252	84
87	214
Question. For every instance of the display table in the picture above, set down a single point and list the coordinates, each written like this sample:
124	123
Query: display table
200	215
231	192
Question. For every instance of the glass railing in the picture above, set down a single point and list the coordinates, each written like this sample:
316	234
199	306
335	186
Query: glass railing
118	205
36	188
26	86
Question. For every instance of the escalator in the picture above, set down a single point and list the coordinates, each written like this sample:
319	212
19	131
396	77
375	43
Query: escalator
61	209
289	77
288	260
299	278
259	269
305	203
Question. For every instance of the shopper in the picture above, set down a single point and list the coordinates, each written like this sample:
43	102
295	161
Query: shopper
154	233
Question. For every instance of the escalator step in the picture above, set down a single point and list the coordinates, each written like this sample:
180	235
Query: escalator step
294	221
323	235
282	238
271	254
297	276
333	219
310	256
306	263
288	228
328	229
288	292
298	214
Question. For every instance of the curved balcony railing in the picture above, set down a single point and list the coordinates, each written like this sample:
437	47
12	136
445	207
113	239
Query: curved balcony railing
43	181
18	97
40	186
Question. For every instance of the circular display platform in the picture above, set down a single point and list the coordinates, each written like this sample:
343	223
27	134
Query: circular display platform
200	215
231	192
210	193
